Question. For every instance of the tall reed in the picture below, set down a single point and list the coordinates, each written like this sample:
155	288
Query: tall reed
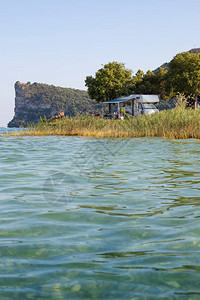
178	123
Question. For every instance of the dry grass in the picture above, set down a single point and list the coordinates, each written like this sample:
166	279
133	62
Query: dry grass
177	123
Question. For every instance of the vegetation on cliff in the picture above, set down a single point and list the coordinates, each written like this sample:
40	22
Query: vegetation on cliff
39	100
113	80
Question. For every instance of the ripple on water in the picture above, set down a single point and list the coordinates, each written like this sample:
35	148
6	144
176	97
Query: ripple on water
86	218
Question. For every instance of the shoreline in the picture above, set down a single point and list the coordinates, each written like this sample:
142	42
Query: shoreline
175	124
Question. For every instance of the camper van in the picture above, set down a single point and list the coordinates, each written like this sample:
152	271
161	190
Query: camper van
145	104
134	105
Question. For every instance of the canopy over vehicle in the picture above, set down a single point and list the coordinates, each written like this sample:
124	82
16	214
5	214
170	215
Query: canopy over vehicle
138	98
134	104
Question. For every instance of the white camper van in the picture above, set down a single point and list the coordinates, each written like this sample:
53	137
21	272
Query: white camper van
134	105
145	104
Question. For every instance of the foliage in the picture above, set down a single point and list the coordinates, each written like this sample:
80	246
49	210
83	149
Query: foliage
111	81
123	111
151	83
194	50
181	75
184	74
181	101
176	123
43	120
50	100
166	104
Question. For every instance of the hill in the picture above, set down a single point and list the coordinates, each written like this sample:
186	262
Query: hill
36	100
165	65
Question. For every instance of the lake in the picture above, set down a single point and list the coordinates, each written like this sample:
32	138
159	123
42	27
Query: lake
86	218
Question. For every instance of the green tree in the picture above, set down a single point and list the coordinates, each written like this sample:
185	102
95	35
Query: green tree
111	81
151	83
144	82
139	74
184	74
160	82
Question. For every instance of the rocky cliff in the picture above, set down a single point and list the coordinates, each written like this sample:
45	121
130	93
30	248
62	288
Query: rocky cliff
36	100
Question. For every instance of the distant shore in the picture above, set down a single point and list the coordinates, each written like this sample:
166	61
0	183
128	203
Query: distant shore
175	124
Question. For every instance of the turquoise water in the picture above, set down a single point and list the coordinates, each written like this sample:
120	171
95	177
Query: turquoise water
82	218
4	130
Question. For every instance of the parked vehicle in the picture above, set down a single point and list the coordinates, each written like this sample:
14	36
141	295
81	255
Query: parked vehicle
134	105
146	108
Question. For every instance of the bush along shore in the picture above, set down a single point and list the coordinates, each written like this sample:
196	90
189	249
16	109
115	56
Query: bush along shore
177	123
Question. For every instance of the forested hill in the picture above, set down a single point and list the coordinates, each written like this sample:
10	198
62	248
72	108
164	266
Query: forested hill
195	50
165	65
36	100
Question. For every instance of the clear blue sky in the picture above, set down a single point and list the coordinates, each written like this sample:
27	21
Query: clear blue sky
60	42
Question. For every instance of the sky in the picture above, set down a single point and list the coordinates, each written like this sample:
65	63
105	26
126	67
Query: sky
60	42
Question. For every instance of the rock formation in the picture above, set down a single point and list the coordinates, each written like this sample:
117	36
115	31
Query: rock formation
36	100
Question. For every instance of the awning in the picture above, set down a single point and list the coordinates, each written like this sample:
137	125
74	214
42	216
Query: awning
138	98
121	99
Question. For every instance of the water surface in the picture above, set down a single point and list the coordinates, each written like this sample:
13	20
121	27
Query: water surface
86	218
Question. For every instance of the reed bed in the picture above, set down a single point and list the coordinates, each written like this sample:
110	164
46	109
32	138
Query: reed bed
177	123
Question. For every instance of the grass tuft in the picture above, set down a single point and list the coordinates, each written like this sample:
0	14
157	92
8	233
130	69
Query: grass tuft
178	123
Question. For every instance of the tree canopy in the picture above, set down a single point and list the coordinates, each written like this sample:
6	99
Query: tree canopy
151	83
111	81
184	74
181	75
114	80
